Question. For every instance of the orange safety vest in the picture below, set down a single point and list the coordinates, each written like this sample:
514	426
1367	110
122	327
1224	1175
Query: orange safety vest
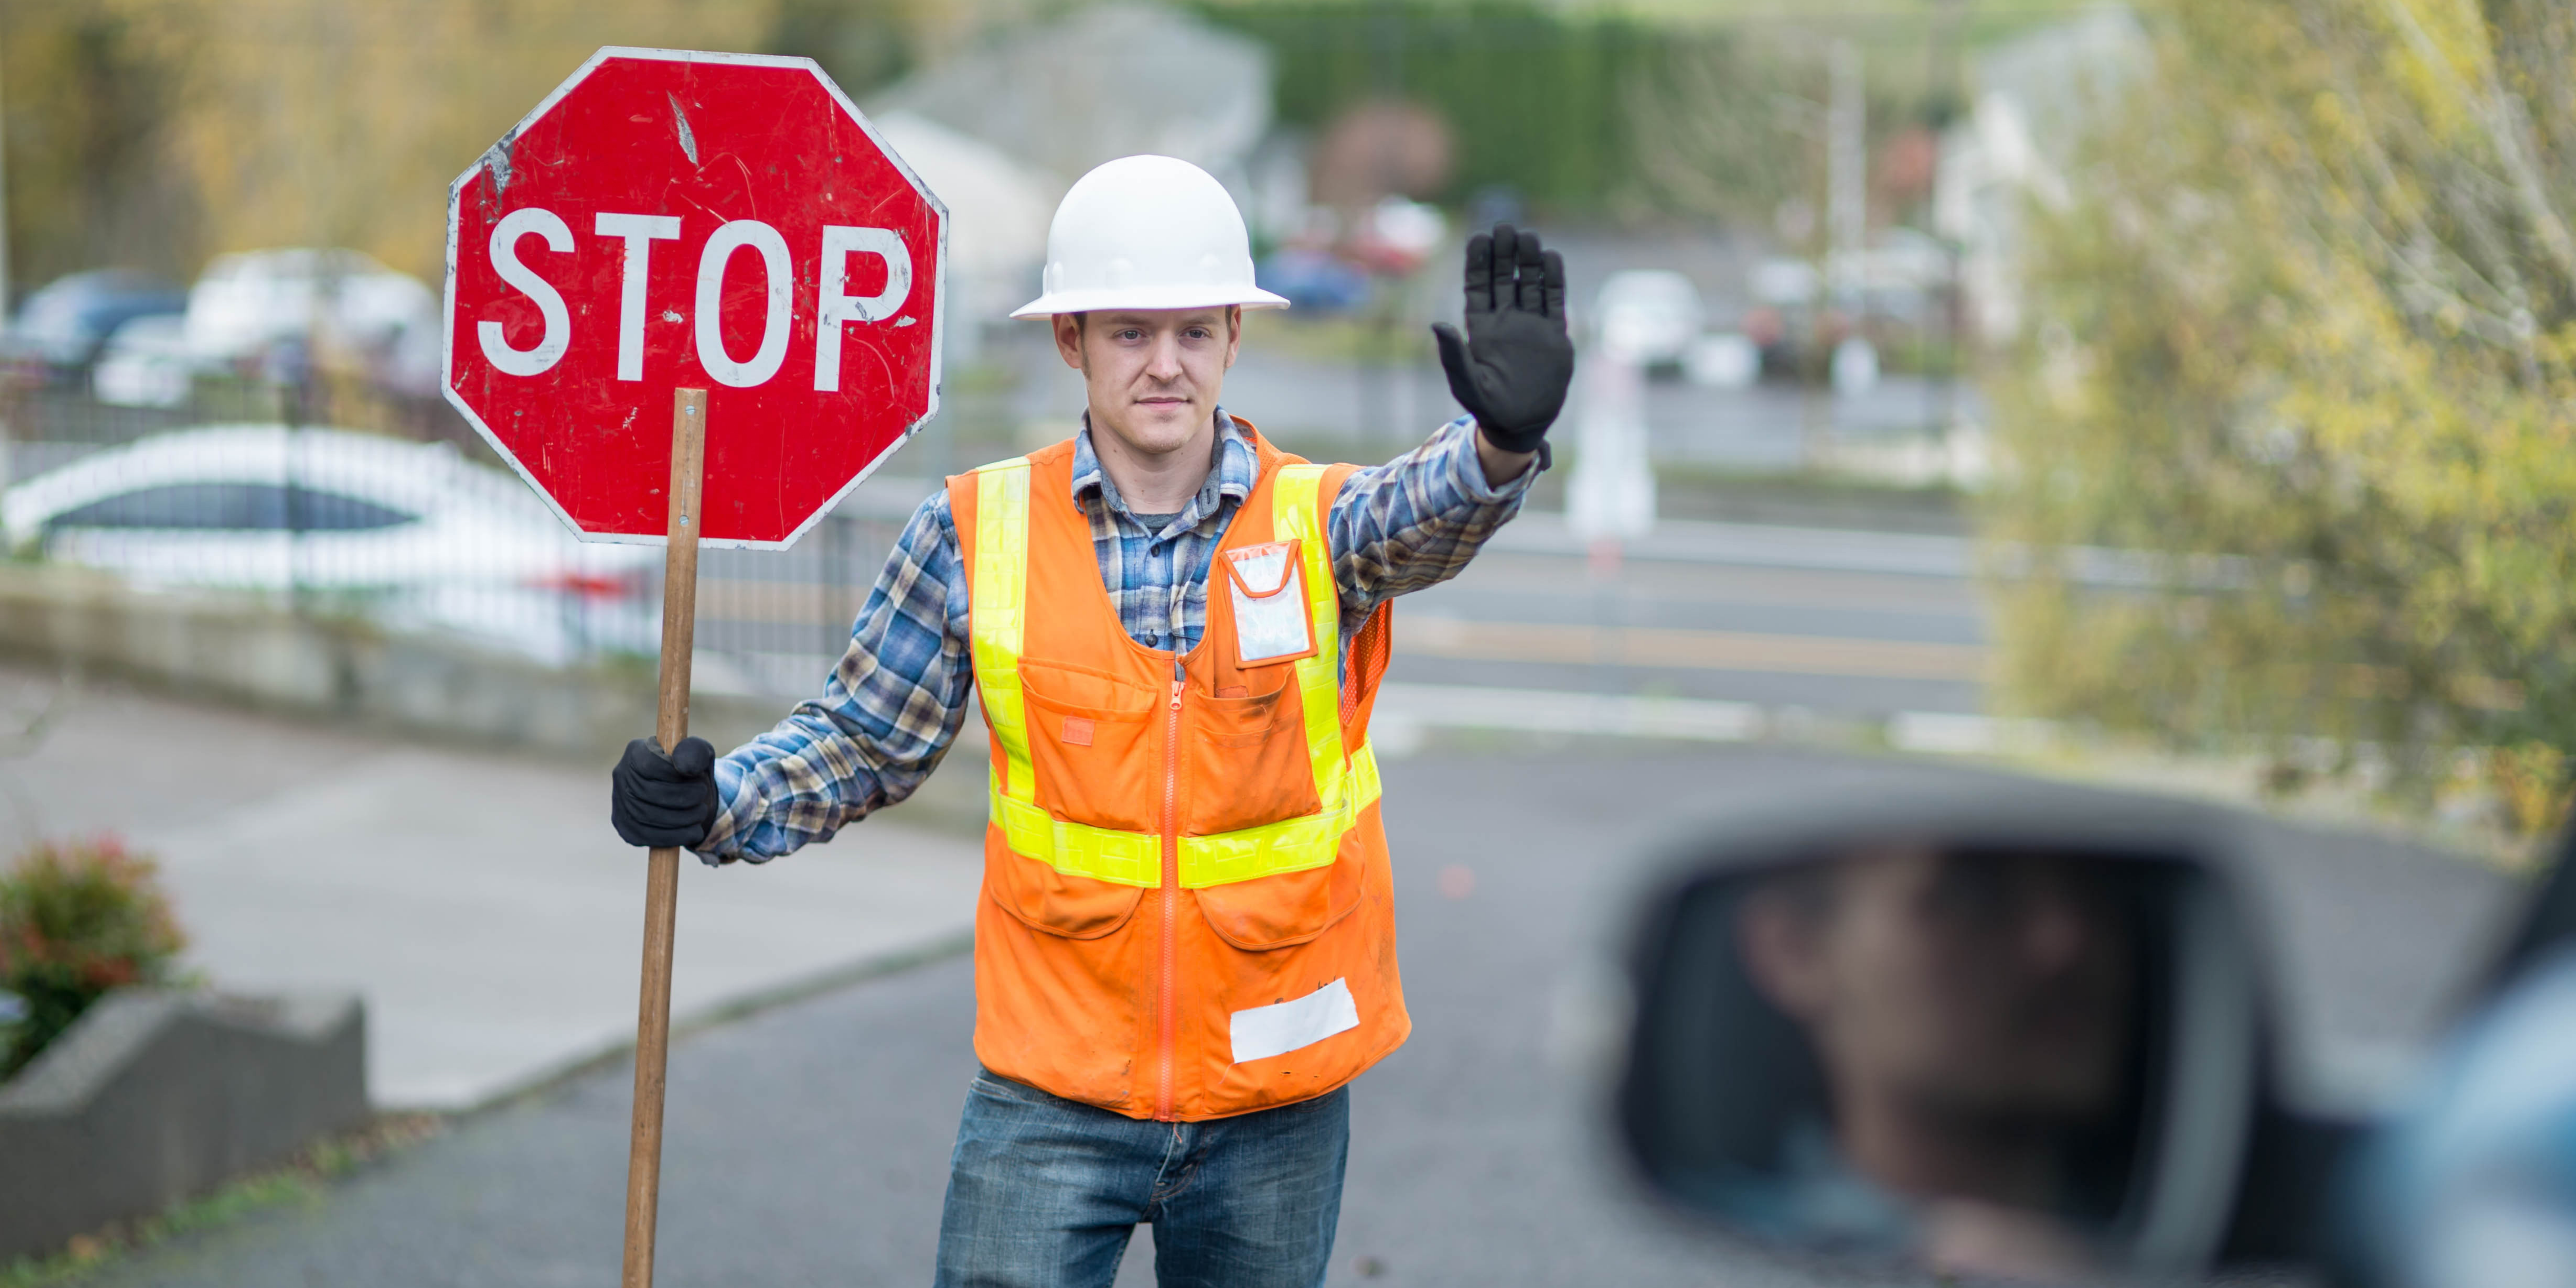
1187	911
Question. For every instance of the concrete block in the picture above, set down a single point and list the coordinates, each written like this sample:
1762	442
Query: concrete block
156	1096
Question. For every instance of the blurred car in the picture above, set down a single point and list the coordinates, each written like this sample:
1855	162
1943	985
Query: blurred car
343	305
2026	1031
1723	360
64	324
409	535
1650	316
1314	280
1785	294
146	363
1397	236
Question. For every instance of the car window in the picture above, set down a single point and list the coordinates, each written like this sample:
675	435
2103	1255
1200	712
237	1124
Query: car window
233	507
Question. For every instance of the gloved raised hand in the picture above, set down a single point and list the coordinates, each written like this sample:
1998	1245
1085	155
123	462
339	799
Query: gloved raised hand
1512	369
664	800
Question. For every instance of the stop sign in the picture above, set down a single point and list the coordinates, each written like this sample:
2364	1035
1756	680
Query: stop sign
691	220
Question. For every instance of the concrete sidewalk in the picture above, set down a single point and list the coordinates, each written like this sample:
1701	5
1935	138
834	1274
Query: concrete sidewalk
477	899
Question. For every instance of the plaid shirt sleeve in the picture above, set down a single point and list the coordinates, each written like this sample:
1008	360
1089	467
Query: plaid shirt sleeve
1416	520
886	717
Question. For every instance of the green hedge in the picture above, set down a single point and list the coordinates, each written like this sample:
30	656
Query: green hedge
1535	97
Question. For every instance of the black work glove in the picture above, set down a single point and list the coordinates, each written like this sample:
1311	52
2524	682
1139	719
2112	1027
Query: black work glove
1512	369
664	800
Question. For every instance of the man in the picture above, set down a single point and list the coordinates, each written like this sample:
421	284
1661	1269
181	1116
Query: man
1185	949
1973	1015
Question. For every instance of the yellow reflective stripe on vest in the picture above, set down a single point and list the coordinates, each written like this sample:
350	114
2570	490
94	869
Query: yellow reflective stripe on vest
1296	511
1292	845
1103	854
998	609
1296	844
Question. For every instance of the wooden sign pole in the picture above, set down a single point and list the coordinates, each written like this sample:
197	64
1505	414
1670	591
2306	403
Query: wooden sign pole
662	882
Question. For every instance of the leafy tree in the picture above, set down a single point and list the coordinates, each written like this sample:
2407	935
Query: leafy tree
86	104
2308	328
159	132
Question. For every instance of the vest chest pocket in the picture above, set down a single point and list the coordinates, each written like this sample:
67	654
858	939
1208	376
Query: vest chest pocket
1091	746
1248	758
1266	589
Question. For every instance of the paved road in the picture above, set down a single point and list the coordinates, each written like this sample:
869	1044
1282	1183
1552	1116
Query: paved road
1851	643
1846	625
808	1143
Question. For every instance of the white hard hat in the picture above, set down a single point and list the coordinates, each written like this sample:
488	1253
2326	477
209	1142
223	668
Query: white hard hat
1147	232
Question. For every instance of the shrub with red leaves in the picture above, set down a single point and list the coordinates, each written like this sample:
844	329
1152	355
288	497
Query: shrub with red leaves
78	919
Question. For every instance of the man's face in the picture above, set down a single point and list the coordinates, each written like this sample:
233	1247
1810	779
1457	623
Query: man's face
1152	374
1985	987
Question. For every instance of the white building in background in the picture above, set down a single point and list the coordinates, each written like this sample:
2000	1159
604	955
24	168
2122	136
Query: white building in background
1104	82
1001	130
998	210
2033	98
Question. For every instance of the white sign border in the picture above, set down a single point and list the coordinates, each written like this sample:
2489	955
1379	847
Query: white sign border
938	288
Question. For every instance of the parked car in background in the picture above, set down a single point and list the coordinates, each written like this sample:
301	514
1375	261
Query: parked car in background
1650	316
1314	280
1723	360
146	363
333	307
408	535
64	324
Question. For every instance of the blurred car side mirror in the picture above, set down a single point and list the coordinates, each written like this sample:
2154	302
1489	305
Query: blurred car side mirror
1994	1032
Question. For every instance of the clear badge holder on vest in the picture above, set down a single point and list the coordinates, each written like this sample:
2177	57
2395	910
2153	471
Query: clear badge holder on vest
1271	622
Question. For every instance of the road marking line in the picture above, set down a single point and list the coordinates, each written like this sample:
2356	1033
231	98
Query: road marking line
1460	706
1566	643
1404	710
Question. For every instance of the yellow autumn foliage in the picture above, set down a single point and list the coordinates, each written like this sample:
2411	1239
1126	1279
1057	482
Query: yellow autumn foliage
2310	328
235	124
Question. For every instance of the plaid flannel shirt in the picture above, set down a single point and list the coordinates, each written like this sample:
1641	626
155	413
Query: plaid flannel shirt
894	703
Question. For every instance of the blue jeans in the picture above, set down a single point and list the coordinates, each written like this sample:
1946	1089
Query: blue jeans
1043	1192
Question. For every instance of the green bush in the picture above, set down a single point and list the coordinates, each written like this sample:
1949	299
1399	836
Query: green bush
77	919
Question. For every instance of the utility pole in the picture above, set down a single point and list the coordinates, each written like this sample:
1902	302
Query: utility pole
1951	88
1846	175
1375	373
1846	232
4	208
7	475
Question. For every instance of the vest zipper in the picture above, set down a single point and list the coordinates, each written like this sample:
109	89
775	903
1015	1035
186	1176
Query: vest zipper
1171	888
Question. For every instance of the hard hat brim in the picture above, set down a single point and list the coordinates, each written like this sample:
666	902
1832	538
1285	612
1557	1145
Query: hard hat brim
1149	297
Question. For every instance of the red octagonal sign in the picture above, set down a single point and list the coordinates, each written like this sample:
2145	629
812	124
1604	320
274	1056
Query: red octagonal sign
670	220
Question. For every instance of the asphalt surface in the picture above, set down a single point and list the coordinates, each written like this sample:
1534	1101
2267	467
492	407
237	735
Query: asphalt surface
808	1144
780	619
1881	631
1852	644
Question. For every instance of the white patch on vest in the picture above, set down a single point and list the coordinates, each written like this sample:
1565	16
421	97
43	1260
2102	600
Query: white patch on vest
1265	1031
1269	604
